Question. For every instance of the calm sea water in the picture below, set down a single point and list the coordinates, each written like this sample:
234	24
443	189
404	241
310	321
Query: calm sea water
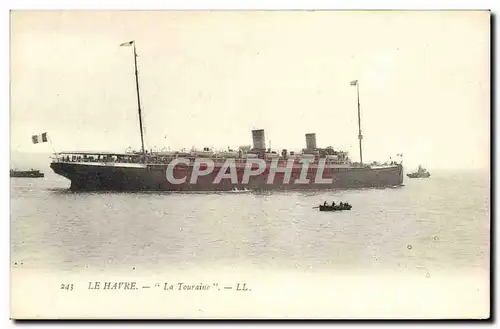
428	225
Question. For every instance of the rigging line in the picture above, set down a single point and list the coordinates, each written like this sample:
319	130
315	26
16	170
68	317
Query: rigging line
52	146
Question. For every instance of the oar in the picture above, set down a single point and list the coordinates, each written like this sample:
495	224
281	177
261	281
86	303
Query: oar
315	207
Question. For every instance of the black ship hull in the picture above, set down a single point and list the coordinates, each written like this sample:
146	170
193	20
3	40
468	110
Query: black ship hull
142	177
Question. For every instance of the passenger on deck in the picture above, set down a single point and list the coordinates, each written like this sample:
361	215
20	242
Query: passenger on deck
342	204
333	204
324	204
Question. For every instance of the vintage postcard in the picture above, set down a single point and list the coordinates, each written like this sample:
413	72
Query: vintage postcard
250	164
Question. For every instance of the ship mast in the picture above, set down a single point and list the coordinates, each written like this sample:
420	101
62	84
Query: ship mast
128	44
139	102
360	136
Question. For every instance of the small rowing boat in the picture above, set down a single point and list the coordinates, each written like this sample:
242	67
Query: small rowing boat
334	207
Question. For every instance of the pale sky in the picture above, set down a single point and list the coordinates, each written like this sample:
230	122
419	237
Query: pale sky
209	78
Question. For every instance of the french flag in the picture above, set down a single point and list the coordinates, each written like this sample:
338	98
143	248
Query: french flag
39	138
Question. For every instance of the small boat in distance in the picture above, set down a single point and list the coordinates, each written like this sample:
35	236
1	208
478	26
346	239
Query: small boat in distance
421	173
334	207
32	173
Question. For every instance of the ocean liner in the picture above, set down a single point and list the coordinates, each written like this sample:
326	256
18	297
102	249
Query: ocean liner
251	167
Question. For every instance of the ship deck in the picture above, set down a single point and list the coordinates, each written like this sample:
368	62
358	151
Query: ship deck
238	163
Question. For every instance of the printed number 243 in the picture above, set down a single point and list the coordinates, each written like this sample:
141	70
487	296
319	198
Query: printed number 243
68	287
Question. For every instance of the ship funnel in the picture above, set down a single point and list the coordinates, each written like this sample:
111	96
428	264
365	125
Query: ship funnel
259	139
311	141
